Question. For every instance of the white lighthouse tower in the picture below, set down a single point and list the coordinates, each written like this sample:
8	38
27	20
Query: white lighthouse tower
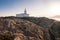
23	14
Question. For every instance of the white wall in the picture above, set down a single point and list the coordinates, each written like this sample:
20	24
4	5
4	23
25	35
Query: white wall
22	15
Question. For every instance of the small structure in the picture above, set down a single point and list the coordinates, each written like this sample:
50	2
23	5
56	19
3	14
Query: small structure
23	14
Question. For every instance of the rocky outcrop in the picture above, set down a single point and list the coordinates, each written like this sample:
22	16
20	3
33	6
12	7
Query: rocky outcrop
31	28
21	29
51	27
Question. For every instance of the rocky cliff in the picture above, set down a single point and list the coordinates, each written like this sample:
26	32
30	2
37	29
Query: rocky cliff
20	29
13	28
51	27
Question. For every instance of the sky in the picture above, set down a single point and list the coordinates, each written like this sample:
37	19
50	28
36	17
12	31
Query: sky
37	8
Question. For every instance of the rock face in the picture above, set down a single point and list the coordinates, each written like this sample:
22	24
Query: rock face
21	29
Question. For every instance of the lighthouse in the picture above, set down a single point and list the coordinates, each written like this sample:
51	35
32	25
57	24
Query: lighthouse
23	14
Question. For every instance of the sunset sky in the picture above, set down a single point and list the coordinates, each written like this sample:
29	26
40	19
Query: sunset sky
37	8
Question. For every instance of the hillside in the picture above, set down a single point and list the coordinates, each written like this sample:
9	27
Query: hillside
20	29
47	24
31	28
